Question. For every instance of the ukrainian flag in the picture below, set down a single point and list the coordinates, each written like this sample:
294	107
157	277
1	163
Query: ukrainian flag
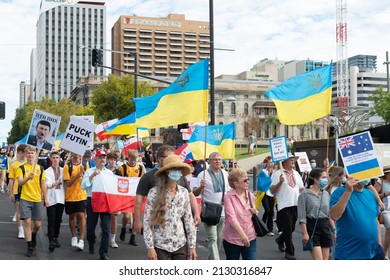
184	101
303	98
219	138
126	126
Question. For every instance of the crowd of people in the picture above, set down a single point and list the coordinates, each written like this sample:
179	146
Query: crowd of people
337	214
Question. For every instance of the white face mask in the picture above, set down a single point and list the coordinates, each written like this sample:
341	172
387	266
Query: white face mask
174	175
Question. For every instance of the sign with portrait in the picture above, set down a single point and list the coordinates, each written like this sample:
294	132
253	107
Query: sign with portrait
43	130
303	161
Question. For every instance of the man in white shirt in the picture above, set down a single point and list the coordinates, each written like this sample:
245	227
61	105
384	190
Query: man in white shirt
210	184
286	185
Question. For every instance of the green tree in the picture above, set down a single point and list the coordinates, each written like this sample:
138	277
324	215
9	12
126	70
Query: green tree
113	99
23	116
271	121
381	101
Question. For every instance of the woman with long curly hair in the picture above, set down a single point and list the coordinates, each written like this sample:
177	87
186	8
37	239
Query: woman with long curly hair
168	222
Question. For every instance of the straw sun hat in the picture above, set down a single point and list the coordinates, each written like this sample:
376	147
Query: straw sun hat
174	162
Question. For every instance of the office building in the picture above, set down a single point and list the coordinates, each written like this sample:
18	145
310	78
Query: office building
66	32
165	46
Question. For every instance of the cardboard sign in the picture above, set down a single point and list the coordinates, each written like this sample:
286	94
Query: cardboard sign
279	149
77	138
43	130
303	161
90	119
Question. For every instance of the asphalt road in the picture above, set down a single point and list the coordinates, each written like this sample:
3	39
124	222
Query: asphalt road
13	248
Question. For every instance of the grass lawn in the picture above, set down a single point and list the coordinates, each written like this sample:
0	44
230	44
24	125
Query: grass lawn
242	153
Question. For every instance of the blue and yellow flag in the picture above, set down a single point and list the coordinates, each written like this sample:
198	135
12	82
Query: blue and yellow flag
303	98
184	101
219	138
126	126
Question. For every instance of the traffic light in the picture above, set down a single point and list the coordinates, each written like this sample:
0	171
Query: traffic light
2	110
95	57
331	131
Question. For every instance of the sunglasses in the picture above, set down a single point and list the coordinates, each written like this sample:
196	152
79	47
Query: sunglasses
246	180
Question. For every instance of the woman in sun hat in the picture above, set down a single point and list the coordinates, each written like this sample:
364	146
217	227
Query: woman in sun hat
168	222
383	187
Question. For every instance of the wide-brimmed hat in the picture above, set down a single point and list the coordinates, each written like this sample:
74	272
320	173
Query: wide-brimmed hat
174	162
290	155
386	169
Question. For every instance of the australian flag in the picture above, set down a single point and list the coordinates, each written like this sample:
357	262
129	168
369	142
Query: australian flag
356	144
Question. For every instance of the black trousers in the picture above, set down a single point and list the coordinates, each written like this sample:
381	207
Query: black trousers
287	218
54	219
105	223
268	204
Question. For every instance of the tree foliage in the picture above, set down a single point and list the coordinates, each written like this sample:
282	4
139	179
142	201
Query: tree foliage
381	101
113	99
23	116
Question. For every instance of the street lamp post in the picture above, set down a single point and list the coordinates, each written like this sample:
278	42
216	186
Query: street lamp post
212	96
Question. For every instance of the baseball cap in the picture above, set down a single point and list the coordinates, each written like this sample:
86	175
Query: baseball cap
100	153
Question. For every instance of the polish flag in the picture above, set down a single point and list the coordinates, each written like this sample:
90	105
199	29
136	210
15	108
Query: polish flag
111	193
187	132
101	127
191	183
132	144
184	151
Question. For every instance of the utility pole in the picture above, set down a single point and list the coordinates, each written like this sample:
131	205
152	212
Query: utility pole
387	70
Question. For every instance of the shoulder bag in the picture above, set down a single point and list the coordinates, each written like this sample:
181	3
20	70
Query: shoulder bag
260	227
309	244
211	212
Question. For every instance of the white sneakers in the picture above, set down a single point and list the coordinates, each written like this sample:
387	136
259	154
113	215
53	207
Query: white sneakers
21	233
14	218
271	233
80	245
74	241
113	244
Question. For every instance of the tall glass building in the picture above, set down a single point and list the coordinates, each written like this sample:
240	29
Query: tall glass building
63	28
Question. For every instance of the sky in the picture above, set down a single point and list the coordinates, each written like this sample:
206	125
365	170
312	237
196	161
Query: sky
255	30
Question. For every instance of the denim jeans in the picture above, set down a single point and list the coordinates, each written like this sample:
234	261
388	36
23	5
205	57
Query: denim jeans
233	251
214	237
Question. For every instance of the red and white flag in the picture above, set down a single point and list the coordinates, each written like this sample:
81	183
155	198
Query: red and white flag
187	132
111	193
101	127
132	144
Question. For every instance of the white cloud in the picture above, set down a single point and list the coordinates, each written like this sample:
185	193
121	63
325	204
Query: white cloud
283	29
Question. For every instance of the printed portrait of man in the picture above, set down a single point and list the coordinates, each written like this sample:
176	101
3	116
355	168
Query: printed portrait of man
39	140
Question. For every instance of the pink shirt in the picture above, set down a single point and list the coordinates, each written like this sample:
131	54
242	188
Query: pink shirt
236	213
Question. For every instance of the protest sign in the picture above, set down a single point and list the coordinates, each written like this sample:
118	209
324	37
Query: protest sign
43	130
359	156
77	138
90	119
279	150
303	162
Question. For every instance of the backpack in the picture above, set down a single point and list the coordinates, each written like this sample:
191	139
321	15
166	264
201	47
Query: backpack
125	170
23	172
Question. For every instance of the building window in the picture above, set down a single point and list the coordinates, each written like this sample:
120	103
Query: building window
220	108
233	108
246	109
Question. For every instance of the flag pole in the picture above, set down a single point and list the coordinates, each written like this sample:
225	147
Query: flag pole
327	140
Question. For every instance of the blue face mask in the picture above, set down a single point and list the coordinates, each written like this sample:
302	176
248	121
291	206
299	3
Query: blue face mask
343	180
323	183
313	165
364	183
174	175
